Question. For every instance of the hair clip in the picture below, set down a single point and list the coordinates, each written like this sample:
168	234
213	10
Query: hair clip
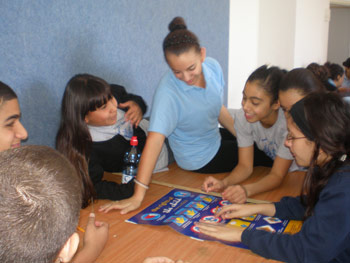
343	157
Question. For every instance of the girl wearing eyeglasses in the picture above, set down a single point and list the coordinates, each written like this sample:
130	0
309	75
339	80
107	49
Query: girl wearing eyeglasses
319	138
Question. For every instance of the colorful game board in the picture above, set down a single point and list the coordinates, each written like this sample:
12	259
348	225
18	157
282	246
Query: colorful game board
180	209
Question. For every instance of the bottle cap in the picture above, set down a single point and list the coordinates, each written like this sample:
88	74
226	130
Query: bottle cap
134	141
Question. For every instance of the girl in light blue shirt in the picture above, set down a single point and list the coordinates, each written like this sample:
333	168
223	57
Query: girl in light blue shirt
187	109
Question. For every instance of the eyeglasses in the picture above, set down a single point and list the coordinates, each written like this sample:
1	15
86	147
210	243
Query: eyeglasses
291	138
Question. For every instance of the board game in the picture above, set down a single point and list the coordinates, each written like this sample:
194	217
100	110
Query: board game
179	209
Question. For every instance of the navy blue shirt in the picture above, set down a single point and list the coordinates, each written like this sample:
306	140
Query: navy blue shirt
324	237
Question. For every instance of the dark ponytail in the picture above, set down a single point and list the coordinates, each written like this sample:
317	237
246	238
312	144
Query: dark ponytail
179	39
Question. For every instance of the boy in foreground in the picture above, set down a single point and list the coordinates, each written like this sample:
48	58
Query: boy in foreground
40	200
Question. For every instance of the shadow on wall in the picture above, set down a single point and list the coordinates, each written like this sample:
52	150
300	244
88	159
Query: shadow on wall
40	113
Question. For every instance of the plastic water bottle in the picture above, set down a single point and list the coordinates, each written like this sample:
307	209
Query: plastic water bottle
131	161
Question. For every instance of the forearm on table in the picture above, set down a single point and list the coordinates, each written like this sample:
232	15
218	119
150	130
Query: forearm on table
238	175
148	161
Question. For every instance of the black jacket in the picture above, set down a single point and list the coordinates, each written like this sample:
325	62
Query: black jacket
108	155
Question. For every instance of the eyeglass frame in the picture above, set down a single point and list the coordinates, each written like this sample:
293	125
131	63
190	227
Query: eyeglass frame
289	137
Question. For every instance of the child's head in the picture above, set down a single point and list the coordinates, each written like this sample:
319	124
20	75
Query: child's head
183	52
40	203
320	72
336	73
346	65
11	130
260	94
295	85
319	138
324	119
84	95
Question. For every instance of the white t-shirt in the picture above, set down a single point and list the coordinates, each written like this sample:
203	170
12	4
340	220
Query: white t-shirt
270	140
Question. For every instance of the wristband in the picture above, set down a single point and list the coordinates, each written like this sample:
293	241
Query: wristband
141	184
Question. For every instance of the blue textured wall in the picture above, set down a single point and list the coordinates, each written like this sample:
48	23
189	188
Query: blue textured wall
44	43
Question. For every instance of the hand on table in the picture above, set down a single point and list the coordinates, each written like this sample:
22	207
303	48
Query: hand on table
220	231
212	184
235	194
134	113
125	205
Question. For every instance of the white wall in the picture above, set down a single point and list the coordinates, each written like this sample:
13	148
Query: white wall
311	34
243	47
286	33
276	33
339	35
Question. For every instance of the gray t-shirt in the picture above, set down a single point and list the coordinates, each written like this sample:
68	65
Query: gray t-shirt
270	140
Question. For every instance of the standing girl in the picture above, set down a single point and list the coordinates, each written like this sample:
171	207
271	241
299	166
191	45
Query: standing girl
261	121
187	109
319	138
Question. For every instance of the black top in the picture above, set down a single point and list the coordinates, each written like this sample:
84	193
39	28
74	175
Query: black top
108	155
122	96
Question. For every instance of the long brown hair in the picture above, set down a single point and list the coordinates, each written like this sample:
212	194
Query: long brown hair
83	93
328	119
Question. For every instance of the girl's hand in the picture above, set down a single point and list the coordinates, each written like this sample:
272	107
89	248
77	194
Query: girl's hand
220	231
125	205
212	184
235	194
96	232
134	113
237	210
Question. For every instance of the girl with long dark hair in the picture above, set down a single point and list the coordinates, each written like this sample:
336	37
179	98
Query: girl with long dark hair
94	133
319	138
